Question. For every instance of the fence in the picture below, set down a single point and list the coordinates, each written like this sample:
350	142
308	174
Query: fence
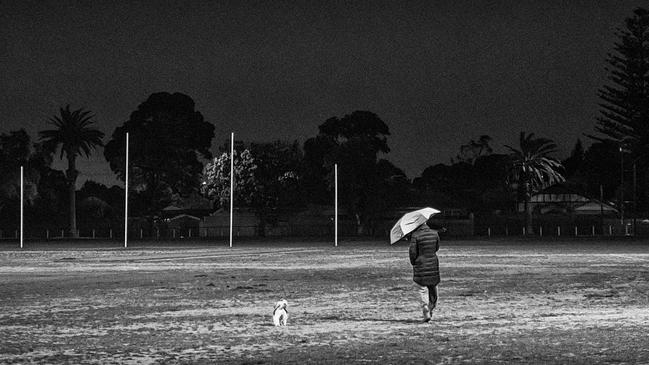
208	230
575	227
164	233
456	228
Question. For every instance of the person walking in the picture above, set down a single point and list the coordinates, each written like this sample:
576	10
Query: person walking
424	244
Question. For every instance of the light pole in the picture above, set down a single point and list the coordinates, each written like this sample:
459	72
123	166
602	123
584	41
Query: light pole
635	185
621	186
635	192
635	197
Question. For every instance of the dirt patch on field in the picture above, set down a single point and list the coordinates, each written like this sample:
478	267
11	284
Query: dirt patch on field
498	304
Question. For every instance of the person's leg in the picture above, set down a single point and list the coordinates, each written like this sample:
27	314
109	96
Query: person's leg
422	296
432	297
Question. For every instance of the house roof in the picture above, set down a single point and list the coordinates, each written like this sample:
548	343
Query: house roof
560	194
184	216
557	197
595	206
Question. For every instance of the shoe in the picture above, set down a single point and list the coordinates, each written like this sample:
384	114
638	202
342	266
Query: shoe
431	310
427	313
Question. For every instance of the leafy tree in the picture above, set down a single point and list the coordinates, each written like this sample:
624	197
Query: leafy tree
477	186
533	169
167	138
93	189
315	170
95	202
600	166
490	190
489	170
457	177
75	135
216	178
266	178
468	176
16	150
277	177
583	174
52	199
394	189
473	150
113	195
576	159
353	142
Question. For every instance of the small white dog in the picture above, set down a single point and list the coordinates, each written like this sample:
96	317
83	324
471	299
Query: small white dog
280	313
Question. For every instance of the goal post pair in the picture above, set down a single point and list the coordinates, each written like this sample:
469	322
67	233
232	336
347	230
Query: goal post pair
126	196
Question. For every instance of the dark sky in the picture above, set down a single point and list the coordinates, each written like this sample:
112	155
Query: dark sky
439	73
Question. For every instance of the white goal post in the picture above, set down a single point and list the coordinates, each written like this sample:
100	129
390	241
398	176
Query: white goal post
126	197
335	205
22	205
231	185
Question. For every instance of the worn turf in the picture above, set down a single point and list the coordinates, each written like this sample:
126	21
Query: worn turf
500	302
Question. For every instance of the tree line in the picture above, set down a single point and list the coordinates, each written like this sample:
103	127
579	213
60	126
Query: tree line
171	160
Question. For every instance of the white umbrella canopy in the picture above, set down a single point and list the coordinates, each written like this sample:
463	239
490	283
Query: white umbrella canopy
409	222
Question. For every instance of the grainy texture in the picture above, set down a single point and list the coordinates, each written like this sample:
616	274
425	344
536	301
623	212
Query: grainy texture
500	302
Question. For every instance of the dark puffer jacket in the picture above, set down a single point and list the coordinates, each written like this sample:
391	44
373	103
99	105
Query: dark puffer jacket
424	243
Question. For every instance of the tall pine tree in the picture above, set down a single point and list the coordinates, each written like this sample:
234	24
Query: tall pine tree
624	113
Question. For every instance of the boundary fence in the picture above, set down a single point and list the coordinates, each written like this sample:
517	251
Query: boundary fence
565	230
211	232
576	227
466	230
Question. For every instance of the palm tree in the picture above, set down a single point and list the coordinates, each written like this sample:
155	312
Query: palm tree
76	136
533	169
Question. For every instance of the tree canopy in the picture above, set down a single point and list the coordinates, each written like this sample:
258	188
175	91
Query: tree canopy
533	168
353	142
16	150
624	106
266	178
216	178
167	138
624	113
76	136
473	150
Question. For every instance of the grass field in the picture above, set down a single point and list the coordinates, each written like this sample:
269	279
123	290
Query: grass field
500	302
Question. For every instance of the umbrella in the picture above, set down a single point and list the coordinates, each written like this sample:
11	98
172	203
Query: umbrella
409	222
